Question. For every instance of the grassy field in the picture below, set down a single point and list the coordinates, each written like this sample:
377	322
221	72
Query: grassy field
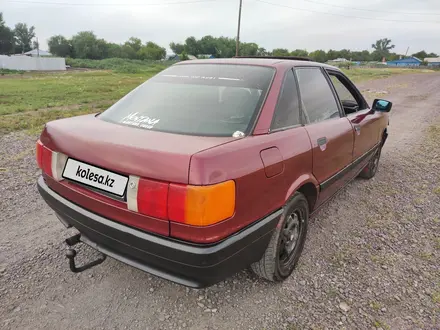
119	65
363	74
29	100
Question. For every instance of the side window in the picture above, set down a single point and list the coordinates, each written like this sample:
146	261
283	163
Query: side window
318	101
287	110
350	101
342	91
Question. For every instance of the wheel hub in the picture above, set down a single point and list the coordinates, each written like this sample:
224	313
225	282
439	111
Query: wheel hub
290	234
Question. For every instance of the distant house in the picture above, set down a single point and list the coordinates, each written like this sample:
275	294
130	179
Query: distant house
202	56
36	52
340	59
408	61
432	61
176	57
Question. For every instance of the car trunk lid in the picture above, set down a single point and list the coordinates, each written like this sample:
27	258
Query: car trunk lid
127	150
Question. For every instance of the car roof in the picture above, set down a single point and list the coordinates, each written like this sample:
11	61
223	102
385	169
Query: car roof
259	61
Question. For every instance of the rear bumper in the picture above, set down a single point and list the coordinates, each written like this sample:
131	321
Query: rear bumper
191	265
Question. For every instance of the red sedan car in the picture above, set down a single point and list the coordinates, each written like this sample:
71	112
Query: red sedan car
211	166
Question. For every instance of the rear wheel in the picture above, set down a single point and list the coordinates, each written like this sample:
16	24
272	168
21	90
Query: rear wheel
370	170
287	242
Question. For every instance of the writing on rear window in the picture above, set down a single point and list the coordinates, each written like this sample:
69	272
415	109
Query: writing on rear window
195	99
142	121
95	177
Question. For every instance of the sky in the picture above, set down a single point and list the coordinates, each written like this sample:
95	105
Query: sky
291	24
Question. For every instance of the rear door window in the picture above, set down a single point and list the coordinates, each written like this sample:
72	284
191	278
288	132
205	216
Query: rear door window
318	100
287	110
196	99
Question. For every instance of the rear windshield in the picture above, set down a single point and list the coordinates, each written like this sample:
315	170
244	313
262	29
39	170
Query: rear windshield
196	99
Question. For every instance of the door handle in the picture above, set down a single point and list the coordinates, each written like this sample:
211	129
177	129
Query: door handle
357	128
322	141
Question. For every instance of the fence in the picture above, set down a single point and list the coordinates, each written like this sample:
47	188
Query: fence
26	63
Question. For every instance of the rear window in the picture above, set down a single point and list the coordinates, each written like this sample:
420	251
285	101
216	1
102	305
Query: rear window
196	99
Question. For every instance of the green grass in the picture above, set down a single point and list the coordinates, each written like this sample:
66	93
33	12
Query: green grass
7	71
42	91
28	100
380	324
363	74
119	65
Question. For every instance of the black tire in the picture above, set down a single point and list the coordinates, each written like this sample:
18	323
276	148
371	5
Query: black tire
272	266
370	170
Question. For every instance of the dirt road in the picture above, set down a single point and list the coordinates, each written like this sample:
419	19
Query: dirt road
372	258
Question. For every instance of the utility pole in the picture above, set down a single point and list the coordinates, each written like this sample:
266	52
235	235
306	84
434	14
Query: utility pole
237	45
38	48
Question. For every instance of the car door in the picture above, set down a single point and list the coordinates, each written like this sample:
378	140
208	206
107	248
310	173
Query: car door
330	132
366	122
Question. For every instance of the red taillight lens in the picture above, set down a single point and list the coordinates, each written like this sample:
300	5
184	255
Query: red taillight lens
44	158
39	154
152	198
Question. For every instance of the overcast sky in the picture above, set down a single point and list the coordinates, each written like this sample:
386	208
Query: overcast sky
307	24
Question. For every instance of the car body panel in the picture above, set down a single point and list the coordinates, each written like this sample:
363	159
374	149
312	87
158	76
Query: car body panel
332	144
368	126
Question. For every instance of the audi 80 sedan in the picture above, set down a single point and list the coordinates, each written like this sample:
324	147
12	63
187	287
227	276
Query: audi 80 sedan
211	166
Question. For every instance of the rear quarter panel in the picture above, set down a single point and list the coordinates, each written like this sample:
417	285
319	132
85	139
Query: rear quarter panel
256	194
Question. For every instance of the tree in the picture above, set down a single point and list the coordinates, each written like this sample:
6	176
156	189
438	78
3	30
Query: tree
114	50
102	48
192	46
7	43
36	44
422	54
131	48
225	47
134	43
151	51
262	52
363	56
23	37
177	48
300	53
59	46
248	49
85	45
280	52
381	48
318	56
207	45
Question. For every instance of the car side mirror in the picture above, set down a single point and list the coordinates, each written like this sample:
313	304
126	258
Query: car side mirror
382	105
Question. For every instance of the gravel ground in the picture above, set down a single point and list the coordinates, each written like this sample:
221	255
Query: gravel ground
372	258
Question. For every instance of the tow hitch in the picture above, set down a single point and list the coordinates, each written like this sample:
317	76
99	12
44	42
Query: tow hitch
71	254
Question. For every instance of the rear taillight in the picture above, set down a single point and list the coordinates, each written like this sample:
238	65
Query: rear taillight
44	158
201	205
52	163
147	197
192	205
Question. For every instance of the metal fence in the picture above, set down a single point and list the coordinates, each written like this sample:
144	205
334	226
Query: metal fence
26	63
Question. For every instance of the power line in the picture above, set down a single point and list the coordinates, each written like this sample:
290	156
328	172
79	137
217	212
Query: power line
107	4
342	15
370	10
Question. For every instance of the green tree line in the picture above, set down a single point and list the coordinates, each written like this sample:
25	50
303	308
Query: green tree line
86	45
15	40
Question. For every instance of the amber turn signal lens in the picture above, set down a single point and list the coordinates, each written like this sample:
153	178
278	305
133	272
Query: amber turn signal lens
201	205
